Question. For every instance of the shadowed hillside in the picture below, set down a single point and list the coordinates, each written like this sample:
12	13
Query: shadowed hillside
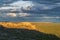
45	27
24	34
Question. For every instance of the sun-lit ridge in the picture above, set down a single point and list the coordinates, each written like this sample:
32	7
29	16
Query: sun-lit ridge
24	25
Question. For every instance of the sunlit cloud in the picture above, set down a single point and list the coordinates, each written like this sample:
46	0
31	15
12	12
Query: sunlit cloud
23	14
6	8
11	15
26	5
16	15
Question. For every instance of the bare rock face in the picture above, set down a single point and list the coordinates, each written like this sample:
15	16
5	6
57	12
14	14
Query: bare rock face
23	25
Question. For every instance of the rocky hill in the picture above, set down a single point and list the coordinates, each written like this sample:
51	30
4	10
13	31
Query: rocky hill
24	34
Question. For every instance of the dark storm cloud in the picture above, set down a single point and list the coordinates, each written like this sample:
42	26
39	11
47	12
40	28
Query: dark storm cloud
26	10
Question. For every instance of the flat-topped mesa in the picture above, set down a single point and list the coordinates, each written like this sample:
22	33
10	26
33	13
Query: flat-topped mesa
23	25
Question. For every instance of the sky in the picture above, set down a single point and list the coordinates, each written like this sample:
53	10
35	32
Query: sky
30	10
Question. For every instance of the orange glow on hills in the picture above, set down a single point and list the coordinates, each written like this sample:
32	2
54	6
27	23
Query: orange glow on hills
26	25
46	27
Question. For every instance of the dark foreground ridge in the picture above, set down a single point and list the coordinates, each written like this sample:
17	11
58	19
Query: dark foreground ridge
24	34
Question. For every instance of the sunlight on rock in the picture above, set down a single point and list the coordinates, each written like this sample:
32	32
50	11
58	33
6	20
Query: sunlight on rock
23	25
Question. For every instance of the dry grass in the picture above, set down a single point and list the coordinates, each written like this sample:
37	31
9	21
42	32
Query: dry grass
50	28
46	27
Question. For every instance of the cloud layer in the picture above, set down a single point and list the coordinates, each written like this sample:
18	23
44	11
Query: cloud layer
30	9
29	5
